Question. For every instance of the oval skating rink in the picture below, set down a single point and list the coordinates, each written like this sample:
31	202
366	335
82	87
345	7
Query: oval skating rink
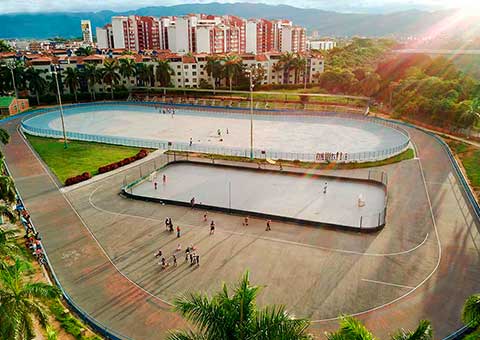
275	133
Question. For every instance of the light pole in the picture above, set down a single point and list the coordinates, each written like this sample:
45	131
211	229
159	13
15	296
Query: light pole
250	73
11	66
54	73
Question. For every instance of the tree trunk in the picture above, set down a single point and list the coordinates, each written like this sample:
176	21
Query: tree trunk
111	90
38	99
75	95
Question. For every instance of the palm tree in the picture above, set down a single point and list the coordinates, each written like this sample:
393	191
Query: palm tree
36	83
286	62
352	329
235	316
214	69
7	189
423	332
232	68
8	245
110	74
92	75
84	51
471	311
472	114
298	66
163	73
127	67
72	79
19	301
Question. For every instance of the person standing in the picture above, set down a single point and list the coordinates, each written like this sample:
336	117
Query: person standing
197	259
174	260
178	231
245	223
205	217
212	227
155	184
268	225
164	179
191	141
167	224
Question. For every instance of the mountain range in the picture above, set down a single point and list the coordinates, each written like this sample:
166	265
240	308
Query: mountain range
328	23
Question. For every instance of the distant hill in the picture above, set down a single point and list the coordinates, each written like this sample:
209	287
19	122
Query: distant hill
44	25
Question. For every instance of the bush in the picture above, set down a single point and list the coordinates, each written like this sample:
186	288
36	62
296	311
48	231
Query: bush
109	167
78	179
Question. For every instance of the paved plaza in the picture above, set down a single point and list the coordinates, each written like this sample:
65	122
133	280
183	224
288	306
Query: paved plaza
421	266
310	198
288	133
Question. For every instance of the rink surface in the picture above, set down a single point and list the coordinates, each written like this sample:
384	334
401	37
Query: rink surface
279	194
284	133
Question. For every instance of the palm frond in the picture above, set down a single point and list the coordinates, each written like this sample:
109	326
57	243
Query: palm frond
471	311
186	335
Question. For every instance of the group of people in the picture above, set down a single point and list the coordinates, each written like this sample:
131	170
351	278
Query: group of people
331	156
32	238
166	110
191	254
169	226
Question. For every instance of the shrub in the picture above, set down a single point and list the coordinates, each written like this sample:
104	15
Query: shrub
78	179
109	167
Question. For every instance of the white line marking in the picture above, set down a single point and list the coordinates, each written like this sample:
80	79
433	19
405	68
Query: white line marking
388	284
424	280
343	251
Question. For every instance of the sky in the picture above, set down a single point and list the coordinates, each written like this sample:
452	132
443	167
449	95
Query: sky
23	6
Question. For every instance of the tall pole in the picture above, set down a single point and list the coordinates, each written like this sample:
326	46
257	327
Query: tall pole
251	116
61	109
11	66
305	74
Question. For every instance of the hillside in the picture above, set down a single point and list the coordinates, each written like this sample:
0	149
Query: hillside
44	25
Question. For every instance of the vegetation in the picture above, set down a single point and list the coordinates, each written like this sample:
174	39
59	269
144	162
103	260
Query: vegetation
471	316
234	315
469	157
79	157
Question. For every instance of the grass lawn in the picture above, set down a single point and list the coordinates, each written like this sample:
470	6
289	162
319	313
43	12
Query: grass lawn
79	157
407	154
469	155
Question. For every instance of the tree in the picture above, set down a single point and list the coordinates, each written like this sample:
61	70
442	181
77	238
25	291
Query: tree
472	115
352	329
471	316
163	73
36	83
286	63
127	67
84	51
214	69
92	75
72	79
5	47
20	301
232	68
8	244
235	316
110	73
298	66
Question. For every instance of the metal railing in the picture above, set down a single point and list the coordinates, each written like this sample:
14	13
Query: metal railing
326	156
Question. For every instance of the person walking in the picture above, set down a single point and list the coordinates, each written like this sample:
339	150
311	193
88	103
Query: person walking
212	227
191	141
192	202
178	231
164	179
268	225
197	259
245	222
187	253
205	217
155	185
167	224
174	260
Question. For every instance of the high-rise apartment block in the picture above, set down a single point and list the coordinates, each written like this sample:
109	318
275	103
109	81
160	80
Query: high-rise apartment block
200	33
86	31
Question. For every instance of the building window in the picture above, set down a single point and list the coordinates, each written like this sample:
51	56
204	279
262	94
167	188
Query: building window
202	73
178	66
194	80
185	66
179	73
194	66
186	80
194	73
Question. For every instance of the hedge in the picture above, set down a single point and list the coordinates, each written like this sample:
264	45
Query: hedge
78	179
109	167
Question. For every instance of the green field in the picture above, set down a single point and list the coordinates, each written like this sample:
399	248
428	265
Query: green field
469	155
79	157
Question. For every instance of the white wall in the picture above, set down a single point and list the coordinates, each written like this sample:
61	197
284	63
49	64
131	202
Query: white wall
102	37
251	37
286	39
181	37
203	39
117	28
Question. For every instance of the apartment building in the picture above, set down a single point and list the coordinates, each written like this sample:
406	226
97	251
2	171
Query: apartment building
86	26
188	70
200	33
321	44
